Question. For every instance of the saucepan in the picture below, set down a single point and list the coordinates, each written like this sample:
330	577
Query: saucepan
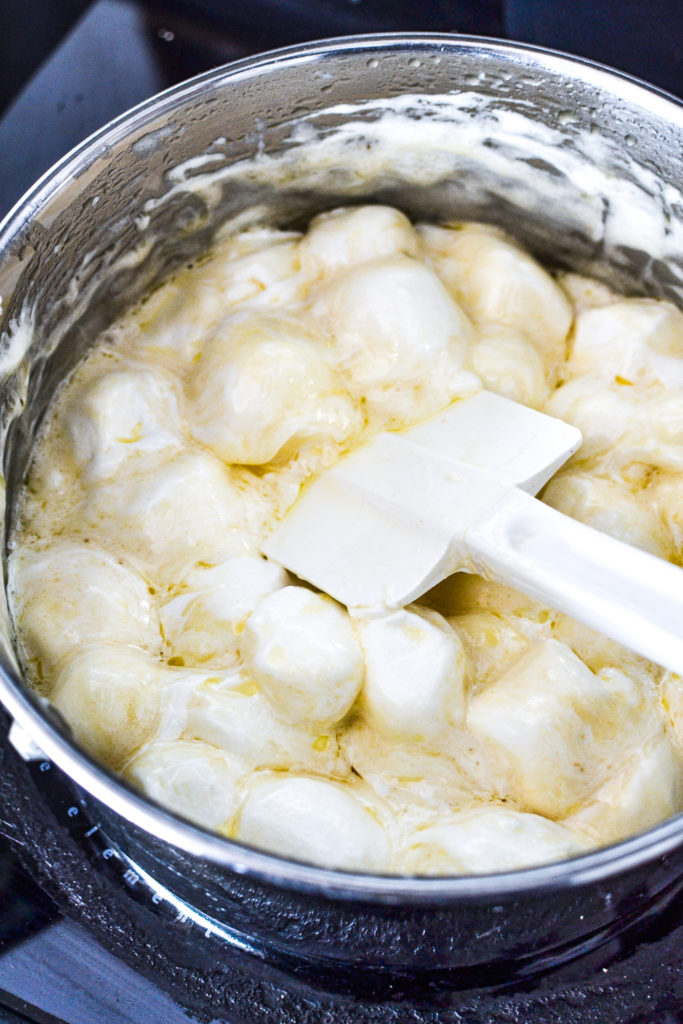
583	166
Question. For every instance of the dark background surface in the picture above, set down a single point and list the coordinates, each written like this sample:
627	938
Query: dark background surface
69	66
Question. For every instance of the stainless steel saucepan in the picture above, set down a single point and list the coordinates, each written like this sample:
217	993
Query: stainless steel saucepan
582	165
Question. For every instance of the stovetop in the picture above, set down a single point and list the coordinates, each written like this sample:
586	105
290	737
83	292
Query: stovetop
168	955
52	969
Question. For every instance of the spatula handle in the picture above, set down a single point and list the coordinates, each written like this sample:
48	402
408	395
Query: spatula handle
628	594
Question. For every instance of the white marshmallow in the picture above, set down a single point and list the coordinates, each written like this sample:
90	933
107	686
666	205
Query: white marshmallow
301	649
399	339
262	387
313	821
432	777
496	281
259	268
167	515
414	674
598	651
603	415
231	713
622	424
508	364
348	237
70	595
664	495
111	696
176	317
122	414
488	840
192	779
637	341
204	621
647	789
491	642
586	292
560	726
118	697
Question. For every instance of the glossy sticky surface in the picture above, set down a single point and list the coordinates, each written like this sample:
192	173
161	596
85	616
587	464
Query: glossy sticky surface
203	673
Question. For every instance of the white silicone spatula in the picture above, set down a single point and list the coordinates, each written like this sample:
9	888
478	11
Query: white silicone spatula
393	518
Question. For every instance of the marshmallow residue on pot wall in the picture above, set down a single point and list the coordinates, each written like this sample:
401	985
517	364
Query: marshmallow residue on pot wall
477	155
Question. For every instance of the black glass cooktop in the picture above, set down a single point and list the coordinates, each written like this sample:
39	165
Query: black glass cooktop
53	972
68	68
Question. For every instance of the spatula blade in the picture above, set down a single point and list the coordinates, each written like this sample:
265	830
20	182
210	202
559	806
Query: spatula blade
372	529
490	432
389	520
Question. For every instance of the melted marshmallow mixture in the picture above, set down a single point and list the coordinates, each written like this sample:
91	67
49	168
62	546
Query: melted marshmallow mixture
476	731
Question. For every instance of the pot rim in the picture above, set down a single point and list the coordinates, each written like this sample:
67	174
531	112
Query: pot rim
28	710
